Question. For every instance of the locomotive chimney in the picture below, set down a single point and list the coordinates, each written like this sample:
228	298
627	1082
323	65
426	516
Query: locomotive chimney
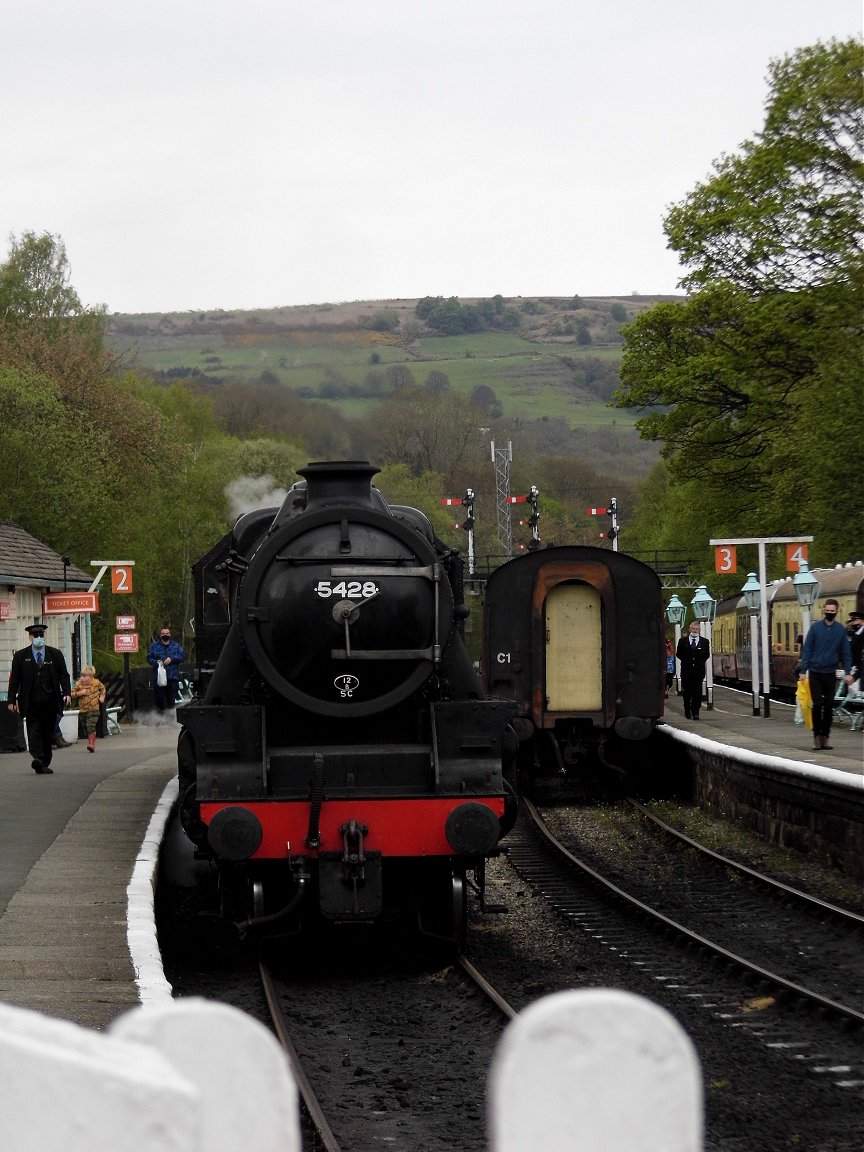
338	482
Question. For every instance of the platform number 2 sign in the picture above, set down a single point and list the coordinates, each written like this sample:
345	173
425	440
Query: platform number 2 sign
725	559
121	581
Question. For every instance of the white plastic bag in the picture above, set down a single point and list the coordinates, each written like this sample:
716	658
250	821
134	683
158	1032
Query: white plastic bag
161	676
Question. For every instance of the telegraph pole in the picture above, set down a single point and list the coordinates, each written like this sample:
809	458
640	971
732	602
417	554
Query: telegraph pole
502	458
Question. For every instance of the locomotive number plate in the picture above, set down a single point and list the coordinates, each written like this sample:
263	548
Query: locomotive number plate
346	589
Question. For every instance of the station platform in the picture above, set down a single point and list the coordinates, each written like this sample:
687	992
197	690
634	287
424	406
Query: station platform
78	854
731	722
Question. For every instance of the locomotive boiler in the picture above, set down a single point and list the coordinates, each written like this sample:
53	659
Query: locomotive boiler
341	760
574	636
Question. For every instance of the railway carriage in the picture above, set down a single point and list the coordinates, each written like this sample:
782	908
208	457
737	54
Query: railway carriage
574	636
730	635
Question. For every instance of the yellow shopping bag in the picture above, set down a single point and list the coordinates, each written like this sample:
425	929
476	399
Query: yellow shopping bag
804	702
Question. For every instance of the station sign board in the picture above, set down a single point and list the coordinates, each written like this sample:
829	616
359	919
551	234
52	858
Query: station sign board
5	610
125	623
126	642
69	603
121	580
726	559
795	553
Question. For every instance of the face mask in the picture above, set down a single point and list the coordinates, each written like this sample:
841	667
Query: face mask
829	616
38	641
165	639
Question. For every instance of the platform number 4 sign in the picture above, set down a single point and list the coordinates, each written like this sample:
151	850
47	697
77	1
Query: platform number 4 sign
795	553
121	580
725	559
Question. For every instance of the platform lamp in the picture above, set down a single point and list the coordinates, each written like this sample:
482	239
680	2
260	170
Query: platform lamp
752	593
676	613
704	606
807	589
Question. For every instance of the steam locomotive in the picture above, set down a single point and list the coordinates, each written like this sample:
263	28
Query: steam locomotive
341	761
574	636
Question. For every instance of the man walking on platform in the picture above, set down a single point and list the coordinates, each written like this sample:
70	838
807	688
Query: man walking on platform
39	688
826	646
693	652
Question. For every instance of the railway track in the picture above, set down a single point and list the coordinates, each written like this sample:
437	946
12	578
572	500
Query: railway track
744	992
842	917
403	1061
789	953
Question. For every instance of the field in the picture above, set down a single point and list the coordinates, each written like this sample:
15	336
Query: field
537	371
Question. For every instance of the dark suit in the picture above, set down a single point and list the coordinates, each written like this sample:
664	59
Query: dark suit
856	643
38	691
693	659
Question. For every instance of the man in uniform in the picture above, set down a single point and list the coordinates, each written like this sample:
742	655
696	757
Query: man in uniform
39	688
693	652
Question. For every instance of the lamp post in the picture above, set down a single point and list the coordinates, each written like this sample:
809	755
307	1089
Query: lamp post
676	613
752	593
807	589
704	607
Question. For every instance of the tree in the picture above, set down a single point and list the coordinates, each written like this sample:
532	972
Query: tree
437	381
34	281
785	214
749	382
486	401
427	430
43	324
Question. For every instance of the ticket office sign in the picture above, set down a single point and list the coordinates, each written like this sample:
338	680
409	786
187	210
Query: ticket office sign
69	603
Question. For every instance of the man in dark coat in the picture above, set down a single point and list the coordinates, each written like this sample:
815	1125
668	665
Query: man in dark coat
693	652
39	688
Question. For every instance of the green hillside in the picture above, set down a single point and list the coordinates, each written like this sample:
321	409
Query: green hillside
557	357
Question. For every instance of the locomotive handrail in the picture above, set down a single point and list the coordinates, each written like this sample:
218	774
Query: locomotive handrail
429	571
432	653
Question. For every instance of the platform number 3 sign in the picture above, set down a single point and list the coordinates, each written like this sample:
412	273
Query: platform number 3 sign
725	559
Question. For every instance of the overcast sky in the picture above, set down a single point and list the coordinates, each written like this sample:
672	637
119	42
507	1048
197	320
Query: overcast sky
203	154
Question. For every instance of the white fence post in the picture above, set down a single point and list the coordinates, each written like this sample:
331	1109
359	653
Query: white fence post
67	1089
247	1092
182	1076
595	1068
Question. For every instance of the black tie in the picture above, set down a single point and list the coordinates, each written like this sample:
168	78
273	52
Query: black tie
39	658
693	641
